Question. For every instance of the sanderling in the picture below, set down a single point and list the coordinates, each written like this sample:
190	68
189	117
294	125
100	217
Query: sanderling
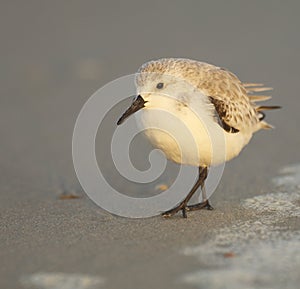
210	101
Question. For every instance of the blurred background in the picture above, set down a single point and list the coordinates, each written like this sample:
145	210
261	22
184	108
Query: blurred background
55	54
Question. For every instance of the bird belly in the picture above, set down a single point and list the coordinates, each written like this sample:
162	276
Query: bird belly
186	138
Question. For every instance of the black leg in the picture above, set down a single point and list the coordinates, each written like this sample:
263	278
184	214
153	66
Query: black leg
203	205
183	205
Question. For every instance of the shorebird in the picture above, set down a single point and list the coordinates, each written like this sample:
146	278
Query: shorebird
178	98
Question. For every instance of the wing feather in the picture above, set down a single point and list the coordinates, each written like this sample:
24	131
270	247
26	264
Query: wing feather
233	100
232	103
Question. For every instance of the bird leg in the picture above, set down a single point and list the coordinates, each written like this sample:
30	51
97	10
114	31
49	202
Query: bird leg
183	205
203	205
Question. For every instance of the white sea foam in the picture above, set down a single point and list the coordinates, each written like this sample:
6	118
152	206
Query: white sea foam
44	280
259	253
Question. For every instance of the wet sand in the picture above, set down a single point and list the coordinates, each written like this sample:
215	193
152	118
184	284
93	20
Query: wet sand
53	57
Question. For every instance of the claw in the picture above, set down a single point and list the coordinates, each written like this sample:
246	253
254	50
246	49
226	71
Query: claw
209	207
170	213
184	212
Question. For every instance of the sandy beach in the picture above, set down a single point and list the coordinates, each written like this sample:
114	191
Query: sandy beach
54	56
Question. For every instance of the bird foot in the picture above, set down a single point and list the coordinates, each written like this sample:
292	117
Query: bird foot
182	206
204	205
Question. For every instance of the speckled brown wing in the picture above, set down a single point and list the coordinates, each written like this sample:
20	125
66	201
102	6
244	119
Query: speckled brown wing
222	115
229	96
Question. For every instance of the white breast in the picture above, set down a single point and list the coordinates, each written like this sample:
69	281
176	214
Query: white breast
188	134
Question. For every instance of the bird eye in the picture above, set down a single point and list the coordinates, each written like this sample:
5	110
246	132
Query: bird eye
160	85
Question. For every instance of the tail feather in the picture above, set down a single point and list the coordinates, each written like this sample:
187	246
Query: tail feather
261	115
259	87
257	98
250	84
265	125
265	107
255	87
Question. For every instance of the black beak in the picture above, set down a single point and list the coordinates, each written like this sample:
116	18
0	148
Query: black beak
138	104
